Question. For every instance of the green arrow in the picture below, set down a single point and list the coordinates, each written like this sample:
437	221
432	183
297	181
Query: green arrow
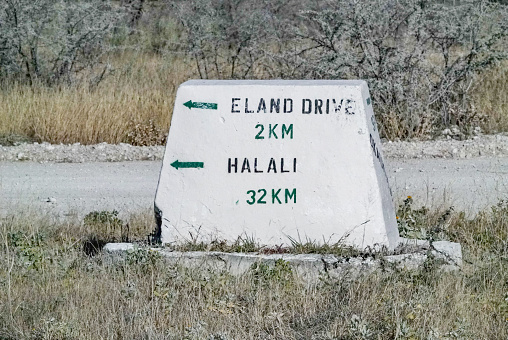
207	106
176	164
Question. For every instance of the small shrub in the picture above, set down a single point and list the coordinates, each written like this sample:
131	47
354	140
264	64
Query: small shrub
144	258
12	139
281	272
146	134
103	227
421	224
104	223
29	248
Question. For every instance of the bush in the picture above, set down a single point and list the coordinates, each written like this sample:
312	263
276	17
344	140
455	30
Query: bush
227	39
145	134
419	57
105	225
51	42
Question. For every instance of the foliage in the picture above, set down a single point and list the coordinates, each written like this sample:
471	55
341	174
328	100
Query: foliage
227	39
338	248
29	249
52	42
241	244
103	227
12	139
419	57
106	219
422	59
145	134
421	223
280	272
145	259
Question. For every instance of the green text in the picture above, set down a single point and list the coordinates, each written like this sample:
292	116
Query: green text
278	196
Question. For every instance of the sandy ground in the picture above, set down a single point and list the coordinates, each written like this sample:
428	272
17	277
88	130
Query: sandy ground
78	188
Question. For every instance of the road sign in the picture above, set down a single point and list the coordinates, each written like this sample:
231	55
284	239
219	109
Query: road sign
275	161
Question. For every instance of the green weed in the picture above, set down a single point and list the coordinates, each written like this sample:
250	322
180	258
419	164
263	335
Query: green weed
422	224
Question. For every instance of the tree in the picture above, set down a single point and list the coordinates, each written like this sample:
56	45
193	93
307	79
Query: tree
53	41
420	57
227	39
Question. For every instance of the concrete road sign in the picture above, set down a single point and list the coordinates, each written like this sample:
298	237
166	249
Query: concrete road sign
275	161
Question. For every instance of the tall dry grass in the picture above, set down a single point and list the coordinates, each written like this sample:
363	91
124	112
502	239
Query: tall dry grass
135	102
136	98
490	98
51	289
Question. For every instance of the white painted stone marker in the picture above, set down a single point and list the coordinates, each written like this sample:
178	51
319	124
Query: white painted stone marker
274	161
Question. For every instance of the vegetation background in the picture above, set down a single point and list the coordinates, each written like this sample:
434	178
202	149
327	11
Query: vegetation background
93	71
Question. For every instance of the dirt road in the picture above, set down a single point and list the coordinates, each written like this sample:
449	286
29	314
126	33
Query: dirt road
78	188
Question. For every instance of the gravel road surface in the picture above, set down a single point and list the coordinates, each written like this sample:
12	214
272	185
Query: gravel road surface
78	188
76	179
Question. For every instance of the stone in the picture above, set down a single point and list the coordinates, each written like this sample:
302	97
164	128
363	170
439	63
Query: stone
308	267
277	162
450	252
118	247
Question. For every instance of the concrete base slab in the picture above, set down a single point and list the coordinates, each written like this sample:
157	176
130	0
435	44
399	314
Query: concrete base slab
410	255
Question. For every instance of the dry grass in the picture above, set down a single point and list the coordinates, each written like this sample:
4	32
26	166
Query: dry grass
50	289
491	99
133	104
